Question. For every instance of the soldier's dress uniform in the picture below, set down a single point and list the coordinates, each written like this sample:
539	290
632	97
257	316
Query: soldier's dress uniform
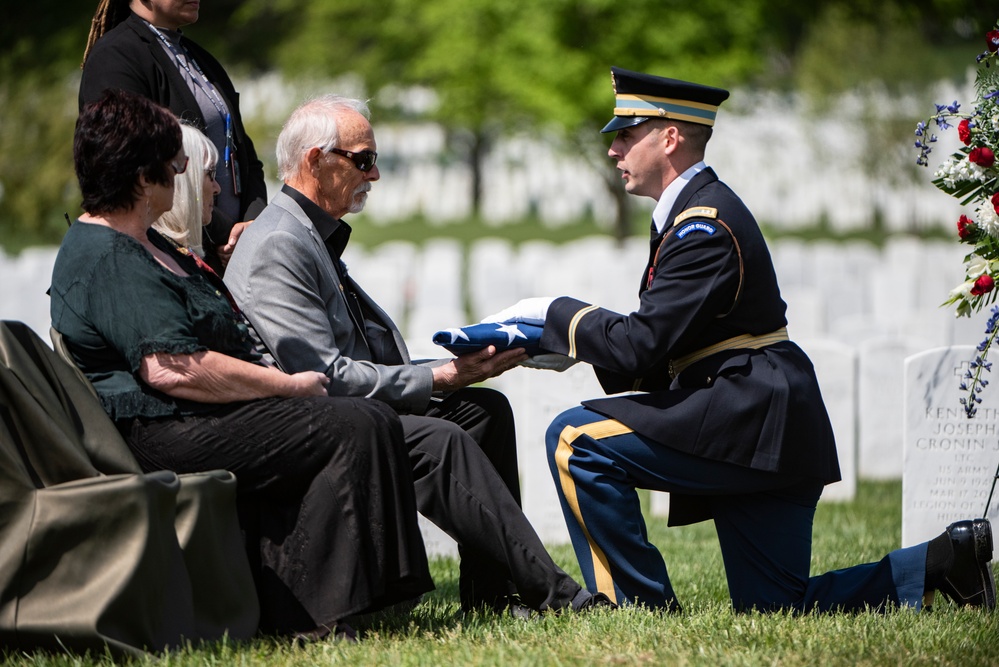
728	416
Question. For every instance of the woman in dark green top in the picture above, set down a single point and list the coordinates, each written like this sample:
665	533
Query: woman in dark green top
324	485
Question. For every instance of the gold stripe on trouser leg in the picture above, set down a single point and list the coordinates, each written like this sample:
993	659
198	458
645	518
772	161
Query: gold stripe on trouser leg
597	431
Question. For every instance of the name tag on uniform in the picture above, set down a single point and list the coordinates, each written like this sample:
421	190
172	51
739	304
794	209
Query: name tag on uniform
695	227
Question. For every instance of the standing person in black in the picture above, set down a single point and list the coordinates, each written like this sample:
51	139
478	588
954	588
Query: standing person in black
137	46
726	413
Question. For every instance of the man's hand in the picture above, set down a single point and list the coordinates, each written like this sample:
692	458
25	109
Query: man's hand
225	251
475	367
528	311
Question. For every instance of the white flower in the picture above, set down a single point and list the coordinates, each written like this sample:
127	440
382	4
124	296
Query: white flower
959	169
962	291
994	119
987	218
976	266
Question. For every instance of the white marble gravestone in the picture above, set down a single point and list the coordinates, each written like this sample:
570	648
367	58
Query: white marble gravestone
836	369
537	397
493	284
879	419
23	282
386	275
437	296
436	541
950	460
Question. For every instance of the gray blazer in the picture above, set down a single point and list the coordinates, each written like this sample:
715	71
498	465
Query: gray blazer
283	279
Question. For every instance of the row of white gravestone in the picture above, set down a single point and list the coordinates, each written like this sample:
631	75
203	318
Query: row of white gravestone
858	311
829	174
848	292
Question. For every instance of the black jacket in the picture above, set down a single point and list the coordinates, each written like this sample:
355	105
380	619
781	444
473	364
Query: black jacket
129	57
713	280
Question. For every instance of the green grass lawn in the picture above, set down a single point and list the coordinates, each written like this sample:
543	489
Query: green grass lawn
708	633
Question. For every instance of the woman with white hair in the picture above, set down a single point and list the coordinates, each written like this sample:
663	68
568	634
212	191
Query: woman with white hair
194	193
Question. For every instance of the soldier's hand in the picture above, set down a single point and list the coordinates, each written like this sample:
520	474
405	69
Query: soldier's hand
528	311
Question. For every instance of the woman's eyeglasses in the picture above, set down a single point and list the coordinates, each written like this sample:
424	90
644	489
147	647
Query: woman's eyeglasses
363	160
179	169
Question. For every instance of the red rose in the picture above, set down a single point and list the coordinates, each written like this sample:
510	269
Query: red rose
995	202
965	227
963	132
984	284
982	156
992	40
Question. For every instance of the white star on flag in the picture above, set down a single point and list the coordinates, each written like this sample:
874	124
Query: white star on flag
511	332
456	334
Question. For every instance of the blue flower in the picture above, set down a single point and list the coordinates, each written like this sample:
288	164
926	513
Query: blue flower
953	107
942	123
920	126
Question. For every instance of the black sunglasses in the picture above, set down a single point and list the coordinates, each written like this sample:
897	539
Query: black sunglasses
363	160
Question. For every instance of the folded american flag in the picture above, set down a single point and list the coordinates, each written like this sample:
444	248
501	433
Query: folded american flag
474	337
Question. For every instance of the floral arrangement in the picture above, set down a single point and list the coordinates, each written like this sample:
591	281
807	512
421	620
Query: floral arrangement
972	175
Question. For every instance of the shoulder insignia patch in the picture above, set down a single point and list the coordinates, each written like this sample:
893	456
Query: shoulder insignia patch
696	212
695	227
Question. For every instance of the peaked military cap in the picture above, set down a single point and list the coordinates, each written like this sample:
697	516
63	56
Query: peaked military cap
640	97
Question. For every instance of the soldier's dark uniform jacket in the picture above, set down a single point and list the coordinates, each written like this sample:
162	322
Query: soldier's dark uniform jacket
710	279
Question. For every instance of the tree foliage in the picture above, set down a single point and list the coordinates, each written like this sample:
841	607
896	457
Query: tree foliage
540	68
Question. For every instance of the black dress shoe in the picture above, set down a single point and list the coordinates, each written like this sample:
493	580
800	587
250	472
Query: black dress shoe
586	601
969	580
339	631
522	612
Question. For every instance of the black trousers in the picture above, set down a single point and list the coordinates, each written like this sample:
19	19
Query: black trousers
464	458
325	496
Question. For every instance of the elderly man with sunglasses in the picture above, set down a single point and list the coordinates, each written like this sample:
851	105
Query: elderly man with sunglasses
287	276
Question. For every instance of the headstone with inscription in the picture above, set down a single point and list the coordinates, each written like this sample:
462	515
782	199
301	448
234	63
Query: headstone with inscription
949	459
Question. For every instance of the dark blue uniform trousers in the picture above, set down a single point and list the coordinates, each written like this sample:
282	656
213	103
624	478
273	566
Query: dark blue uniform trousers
763	521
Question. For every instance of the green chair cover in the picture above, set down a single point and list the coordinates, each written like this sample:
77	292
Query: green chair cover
94	553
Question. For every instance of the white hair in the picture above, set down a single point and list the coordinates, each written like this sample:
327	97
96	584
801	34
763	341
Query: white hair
312	125
183	222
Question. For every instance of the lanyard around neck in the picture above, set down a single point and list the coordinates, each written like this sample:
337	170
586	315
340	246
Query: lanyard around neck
184	59
202	81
